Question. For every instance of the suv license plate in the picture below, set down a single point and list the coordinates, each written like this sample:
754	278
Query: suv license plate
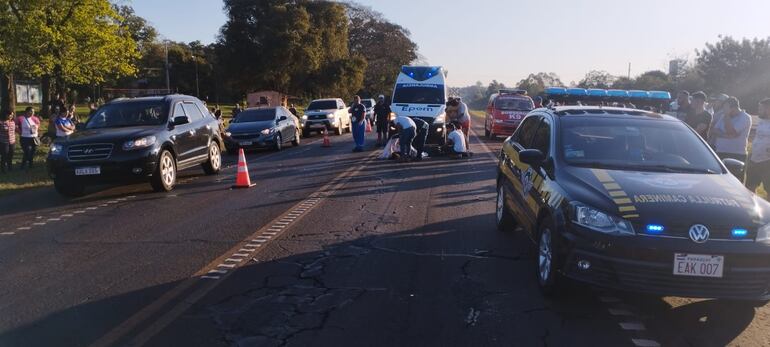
245	143
88	171
699	265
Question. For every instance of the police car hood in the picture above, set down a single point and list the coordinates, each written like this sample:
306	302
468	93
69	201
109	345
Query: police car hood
677	200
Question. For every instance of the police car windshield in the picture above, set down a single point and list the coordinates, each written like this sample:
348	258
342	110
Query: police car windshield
419	95
250	116
634	144
128	114
514	104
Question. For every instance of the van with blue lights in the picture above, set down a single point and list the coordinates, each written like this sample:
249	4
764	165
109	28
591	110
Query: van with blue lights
632	200
421	92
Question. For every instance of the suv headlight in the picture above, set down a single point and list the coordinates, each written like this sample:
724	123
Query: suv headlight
596	220
139	143
330	115
764	234
304	117
267	131
440	118
56	149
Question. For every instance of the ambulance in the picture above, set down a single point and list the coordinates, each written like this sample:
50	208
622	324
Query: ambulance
421	92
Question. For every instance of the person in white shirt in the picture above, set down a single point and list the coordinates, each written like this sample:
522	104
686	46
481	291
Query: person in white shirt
758	170
456	142
731	132
464	117
406	133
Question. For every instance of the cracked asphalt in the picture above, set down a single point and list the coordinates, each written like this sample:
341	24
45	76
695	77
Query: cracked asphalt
396	255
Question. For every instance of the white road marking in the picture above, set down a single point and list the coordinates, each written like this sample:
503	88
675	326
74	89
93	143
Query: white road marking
284	224
233	260
274	229
91	208
8	233
79	211
54	219
645	343
635	326
247	250
42	223
241	255
103	205
220	272
259	241
112	202
39	217
229	266
23	228
66	215
264	237
251	245
269	233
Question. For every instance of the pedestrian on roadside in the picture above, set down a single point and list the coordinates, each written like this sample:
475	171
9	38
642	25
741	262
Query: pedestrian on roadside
682	105
758	166
464	117
421	137
293	110
64	125
731	133
7	141
456	142
60	102
717	107
697	117
73	114
382	113
406	133
358	123
27	127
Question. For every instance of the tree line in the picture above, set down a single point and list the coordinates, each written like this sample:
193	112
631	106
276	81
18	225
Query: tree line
739	68
303	48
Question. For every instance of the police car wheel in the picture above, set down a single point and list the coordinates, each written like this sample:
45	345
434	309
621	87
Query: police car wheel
547	261
505	221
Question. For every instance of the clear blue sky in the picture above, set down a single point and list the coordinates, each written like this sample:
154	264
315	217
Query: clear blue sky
482	40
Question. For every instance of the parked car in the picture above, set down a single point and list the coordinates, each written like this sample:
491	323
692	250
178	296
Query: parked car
632	200
505	111
140	139
262	128
326	114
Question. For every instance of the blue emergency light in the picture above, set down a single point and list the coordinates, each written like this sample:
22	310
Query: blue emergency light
638	94
738	232
615	93
577	92
555	91
659	95
655	229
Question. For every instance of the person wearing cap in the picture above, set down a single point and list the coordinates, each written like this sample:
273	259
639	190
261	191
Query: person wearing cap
758	166
382	113
697	117
732	132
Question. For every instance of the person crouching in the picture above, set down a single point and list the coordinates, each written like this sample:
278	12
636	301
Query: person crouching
455	146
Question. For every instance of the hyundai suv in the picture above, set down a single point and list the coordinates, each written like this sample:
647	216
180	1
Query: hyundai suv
140	139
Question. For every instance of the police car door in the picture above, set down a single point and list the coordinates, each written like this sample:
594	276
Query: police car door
517	173
534	179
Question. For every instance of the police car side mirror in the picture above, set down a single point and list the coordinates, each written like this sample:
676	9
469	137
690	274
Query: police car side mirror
532	157
734	166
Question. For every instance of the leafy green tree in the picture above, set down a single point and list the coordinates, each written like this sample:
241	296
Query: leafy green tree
596	79
653	80
535	84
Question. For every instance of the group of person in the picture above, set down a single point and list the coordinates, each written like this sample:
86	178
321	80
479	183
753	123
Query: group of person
27	126
726	127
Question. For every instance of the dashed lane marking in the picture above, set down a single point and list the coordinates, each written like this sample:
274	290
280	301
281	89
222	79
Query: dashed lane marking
151	317
66	215
8	233
247	250
24	228
645	343
229	266
635	326
54	219
233	260
242	255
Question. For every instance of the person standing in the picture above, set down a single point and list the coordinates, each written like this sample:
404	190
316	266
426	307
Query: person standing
421	137
464	117
406	133
7	141
64	125
758	166
697	117
731	132
382	113
293	110
682	105
27	127
358	120
717	108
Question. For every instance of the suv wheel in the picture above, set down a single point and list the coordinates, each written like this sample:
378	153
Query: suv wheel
297	140
214	164
164	178
278	142
547	260
505	221
68	187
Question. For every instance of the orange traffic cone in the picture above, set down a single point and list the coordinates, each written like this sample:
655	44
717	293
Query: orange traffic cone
327	142
242	179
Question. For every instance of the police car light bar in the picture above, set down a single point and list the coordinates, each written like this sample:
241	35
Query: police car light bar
607	95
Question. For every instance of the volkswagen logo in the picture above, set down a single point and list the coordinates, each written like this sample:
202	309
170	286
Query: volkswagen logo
699	233
88	151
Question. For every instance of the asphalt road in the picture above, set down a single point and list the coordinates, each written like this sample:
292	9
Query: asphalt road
330	248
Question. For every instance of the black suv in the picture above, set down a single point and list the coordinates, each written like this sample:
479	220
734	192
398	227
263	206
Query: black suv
140	139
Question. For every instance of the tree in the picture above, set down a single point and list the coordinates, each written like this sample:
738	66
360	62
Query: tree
535	84
65	41
385	46
596	79
653	80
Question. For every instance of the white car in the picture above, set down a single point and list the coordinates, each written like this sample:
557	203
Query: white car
326	114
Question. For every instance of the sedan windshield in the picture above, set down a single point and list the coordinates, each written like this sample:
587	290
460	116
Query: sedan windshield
250	116
128	114
514	104
641	144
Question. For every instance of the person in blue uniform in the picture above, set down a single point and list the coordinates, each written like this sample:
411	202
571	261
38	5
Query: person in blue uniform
358	111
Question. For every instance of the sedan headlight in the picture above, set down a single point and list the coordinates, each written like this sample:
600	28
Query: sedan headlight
139	143
267	131
596	220
56	149
764	234
440	118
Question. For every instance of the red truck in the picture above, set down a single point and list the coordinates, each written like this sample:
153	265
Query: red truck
505	111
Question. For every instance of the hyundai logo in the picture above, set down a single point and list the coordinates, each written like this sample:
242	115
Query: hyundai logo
88	151
699	233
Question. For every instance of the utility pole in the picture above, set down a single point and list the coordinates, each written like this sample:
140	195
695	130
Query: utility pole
168	79
629	70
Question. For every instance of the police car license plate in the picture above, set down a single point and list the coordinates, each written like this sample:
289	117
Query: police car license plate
698	265
88	171
245	143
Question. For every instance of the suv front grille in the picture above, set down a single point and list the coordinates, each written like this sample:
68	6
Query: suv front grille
317	117
99	151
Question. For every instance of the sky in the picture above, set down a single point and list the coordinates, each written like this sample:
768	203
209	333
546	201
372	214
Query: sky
505	40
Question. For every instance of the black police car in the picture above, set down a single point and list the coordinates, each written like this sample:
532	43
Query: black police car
128	140
632	200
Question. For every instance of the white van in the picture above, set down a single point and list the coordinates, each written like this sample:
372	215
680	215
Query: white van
421	92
